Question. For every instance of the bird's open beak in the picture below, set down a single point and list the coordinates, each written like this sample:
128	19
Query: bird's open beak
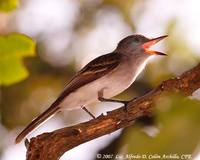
150	43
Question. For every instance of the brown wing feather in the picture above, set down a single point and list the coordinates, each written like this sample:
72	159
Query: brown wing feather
92	71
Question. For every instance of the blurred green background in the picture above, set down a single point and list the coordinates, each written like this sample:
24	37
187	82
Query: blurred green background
43	43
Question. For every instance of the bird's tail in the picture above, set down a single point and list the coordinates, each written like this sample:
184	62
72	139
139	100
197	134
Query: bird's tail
37	121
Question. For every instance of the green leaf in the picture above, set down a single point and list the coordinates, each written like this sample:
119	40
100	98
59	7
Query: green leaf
178	121
13	48
8	5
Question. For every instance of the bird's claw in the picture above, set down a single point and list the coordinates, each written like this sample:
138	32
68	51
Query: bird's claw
125	106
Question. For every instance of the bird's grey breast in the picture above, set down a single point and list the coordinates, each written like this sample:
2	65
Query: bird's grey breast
122	77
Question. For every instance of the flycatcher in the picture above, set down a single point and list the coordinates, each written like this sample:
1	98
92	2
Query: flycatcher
102	78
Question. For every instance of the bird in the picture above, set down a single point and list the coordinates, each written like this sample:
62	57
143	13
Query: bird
101	79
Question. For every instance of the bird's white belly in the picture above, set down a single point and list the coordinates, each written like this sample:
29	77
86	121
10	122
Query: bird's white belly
111	84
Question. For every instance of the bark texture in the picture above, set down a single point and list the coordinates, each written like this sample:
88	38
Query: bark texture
52	145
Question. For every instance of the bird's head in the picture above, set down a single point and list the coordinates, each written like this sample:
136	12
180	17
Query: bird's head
139	44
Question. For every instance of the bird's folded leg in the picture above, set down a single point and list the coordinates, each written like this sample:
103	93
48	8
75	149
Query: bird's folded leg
102	99
87	111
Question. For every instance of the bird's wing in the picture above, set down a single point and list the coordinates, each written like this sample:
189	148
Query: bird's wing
92	71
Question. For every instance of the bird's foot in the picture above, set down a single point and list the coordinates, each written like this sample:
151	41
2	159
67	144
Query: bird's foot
100	98
125	105
88	112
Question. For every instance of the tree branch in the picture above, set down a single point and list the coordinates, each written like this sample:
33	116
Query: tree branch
52	145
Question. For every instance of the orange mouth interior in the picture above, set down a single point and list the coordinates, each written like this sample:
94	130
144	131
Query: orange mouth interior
152	42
